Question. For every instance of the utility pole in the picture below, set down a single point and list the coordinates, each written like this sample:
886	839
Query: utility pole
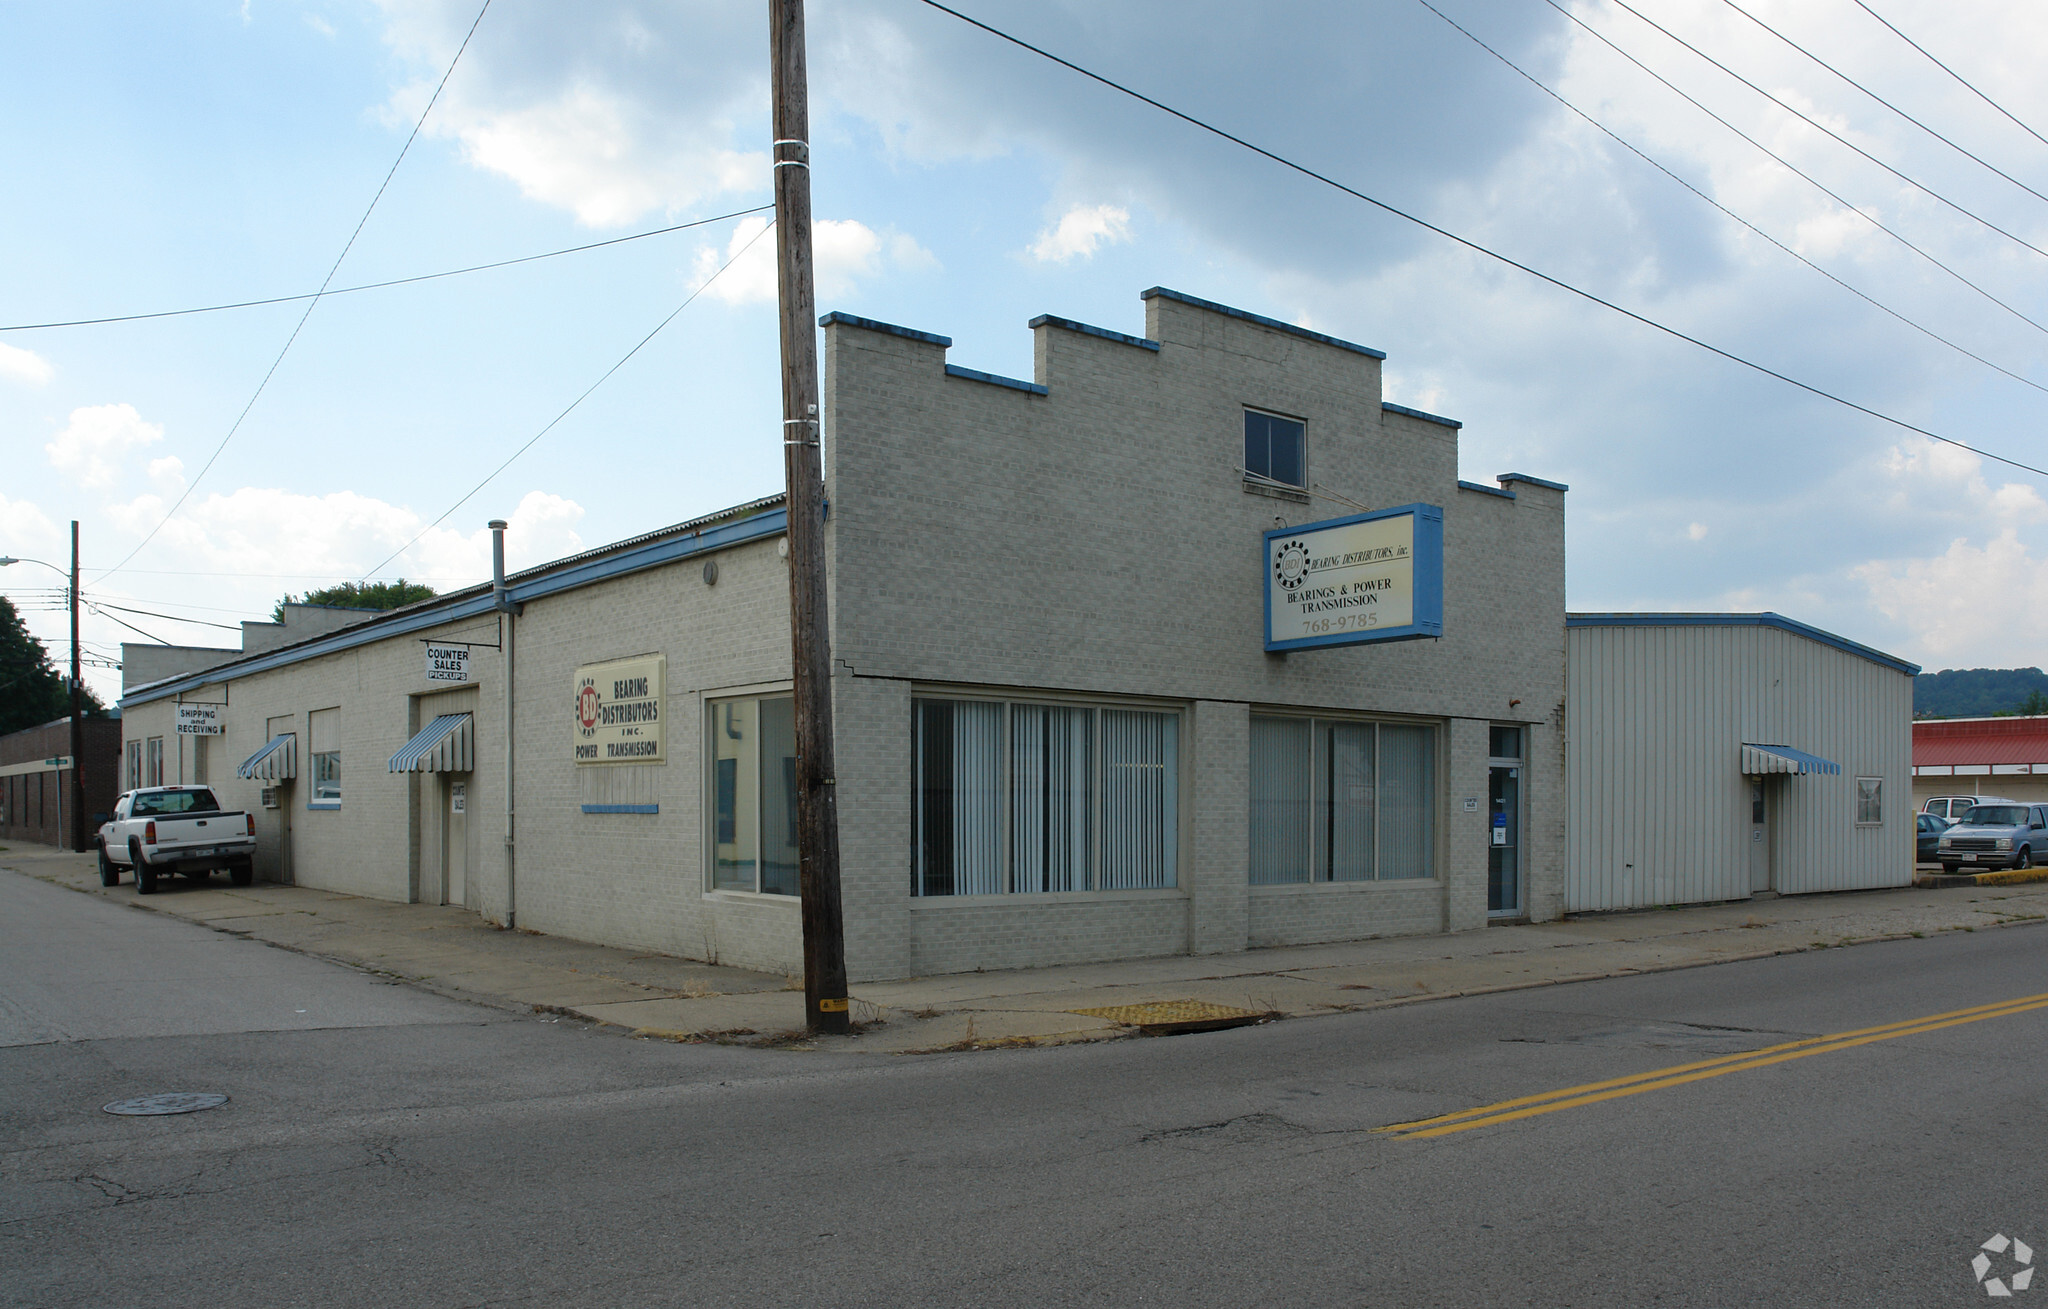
77	710
817	810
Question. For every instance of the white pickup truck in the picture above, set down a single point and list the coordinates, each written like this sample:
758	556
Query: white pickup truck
160	830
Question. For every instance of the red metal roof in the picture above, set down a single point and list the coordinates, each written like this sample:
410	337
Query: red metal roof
1980	741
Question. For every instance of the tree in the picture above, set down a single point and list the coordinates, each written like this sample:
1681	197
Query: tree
354	595
32	691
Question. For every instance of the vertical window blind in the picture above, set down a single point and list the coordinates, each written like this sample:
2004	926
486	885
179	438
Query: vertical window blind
1339	801
1019	798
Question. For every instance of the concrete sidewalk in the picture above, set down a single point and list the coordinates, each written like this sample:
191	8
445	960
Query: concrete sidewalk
452	952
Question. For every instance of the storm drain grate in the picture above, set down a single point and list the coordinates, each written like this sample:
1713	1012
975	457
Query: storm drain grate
1164	1017
169	1102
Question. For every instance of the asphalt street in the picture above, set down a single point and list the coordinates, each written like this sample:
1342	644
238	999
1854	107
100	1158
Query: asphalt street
386	1147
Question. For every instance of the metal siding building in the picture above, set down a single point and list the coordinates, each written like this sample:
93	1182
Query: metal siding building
1660	809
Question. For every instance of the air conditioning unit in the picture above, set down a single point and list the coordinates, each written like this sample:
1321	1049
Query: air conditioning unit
270	797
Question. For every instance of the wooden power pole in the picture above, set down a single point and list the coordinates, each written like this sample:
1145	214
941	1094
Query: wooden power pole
77	708
825	1007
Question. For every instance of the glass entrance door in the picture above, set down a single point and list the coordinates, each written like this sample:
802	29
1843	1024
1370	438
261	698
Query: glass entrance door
1504	824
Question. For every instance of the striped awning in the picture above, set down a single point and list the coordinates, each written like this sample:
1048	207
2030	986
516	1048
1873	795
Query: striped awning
442	746
1757	760
277	761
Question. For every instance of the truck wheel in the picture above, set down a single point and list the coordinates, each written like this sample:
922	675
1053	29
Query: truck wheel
243	873
2025	858
109	874
145	876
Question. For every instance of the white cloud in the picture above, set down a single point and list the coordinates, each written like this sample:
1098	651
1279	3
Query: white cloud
320	25
24	365
1989	602
1080	231
843	252
1696	532
90	447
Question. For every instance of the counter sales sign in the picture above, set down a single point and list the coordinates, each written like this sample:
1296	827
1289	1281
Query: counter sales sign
618	712
447	662
1370	577
199	720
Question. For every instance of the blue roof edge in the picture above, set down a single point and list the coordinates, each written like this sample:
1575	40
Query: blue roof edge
405	621
1765	619
1050	320
1484	489
1262	321
995	379
1533	481
1424	415
873	325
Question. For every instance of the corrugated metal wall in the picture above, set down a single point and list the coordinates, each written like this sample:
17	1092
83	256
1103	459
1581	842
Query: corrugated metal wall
1658	810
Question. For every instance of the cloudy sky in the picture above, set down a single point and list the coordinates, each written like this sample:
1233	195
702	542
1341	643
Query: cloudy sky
182	154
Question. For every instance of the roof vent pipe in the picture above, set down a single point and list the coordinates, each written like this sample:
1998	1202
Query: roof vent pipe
498	596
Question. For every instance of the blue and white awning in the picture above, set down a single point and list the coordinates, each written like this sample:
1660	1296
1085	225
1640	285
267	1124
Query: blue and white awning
442	746
277	761
1758	760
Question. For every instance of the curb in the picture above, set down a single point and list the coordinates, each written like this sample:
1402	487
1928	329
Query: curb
2009	877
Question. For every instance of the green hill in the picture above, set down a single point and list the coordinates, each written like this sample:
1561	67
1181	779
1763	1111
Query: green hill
1980	692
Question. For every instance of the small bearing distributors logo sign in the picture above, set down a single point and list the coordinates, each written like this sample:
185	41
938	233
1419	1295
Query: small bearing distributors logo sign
2004	1264
617	715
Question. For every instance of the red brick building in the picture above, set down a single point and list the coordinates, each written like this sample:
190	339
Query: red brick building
35	780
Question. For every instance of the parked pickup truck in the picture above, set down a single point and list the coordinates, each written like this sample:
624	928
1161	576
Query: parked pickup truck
160	830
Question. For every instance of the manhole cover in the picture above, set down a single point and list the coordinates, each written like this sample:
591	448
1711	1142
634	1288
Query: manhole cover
1165	1016
170	1102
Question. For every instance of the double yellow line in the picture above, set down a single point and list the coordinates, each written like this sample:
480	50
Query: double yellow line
1571	1097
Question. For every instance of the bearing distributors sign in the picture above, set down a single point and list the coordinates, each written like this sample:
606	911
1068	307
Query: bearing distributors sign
1370	577
618	712
199	720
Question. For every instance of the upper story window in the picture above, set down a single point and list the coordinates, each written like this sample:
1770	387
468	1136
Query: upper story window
1276	448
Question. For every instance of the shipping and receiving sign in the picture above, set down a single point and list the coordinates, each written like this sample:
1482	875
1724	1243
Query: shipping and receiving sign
447	662
200	720
1370	577
618	712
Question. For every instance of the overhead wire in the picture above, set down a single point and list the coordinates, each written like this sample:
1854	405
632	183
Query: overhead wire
1967	85
379	286
1797	171
311	305
1813	122
492	475
1928	332
1480	249
1967	154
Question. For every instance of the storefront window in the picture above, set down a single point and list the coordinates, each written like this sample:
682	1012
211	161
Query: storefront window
753	795
134	765
1335	801
324	727
153	765
1020	797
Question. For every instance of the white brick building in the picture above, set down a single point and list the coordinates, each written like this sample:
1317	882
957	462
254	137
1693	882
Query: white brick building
1064	732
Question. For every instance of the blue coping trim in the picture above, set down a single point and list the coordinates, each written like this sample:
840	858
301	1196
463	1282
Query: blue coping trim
1485	490
1533	481
1047	320
1263	321
1417	413
852	320
622	809
974	375
638	559
1765	619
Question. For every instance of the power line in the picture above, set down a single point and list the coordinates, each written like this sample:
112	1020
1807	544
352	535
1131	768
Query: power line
1816	123
735	258
97	605
379	286
1477	248
1881	100
1877	304
1795	170
325	282
130	626
1951	72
